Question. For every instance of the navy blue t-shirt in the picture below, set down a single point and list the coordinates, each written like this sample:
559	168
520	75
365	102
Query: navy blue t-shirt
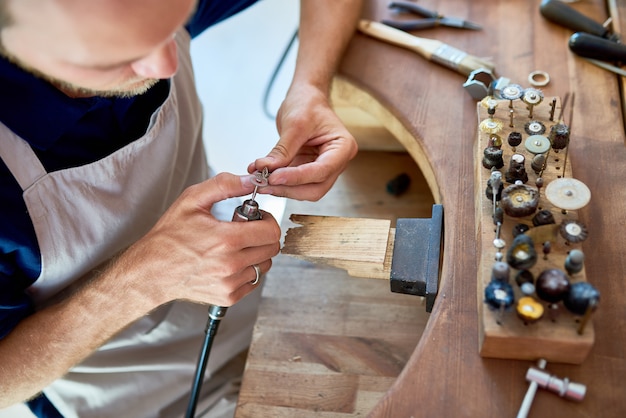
65	132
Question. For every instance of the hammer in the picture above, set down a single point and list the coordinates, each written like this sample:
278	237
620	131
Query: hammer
540	378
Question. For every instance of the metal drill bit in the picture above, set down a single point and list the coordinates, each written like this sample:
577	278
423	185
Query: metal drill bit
571	115
260	180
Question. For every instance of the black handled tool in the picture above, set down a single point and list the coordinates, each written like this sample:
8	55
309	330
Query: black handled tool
566	16
594	47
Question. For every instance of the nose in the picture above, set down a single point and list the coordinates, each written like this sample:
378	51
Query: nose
161	63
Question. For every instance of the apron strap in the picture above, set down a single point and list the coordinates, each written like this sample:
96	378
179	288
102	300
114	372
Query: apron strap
20	158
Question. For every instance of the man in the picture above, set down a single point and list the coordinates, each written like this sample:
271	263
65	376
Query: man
108	248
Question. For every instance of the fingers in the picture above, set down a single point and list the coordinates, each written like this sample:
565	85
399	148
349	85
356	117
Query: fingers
224	280
244	283
281	155
260	242
220	187
309	192
313	171
240	235
196	257
313	149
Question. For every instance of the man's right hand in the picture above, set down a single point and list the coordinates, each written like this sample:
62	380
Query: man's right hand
190	255
187	255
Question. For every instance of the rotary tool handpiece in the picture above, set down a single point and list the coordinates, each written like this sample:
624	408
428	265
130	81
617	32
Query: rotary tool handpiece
248	211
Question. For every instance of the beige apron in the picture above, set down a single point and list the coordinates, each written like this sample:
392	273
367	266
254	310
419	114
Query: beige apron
84	215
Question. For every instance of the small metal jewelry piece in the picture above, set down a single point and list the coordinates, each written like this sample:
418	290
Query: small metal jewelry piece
538	78
257	270
259	180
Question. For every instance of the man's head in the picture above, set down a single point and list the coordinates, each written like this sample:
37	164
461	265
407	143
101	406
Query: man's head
94	47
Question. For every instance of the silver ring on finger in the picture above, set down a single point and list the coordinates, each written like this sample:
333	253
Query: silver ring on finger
257	271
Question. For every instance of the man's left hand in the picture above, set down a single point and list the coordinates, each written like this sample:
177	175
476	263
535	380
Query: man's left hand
313	149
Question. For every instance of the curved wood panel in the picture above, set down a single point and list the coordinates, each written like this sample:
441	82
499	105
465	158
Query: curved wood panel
343	89
445	375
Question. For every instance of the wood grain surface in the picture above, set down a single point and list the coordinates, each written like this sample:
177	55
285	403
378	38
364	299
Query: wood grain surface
361	246
424	106
445	373
326	343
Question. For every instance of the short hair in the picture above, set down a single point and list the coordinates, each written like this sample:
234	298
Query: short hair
5	18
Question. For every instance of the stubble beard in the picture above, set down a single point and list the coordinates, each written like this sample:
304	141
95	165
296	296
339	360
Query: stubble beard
130	88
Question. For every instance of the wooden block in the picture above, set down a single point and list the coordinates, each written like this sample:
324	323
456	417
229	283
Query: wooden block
504	335
363	247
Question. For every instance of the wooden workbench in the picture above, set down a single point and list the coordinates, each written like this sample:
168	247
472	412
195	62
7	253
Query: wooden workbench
301	366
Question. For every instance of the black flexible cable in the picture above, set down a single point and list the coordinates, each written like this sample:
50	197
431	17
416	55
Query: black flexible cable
270	84
211	330
247	211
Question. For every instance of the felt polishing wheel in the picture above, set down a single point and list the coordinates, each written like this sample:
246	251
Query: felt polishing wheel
568	193
537	144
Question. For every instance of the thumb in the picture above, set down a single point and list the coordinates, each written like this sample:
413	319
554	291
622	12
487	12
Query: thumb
221	187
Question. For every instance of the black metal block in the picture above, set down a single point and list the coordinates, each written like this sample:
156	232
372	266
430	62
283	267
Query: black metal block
416	256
